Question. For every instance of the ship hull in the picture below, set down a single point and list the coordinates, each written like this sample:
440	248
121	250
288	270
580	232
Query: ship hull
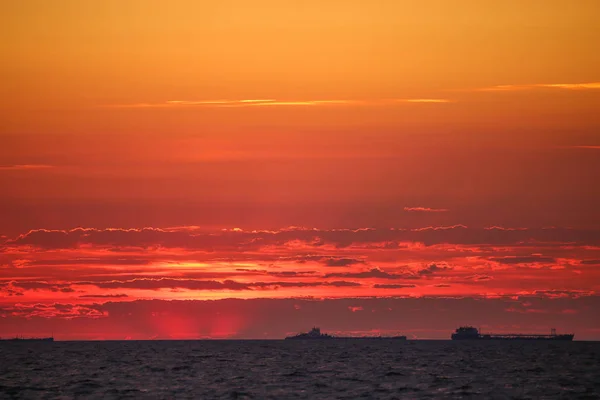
564	338
347	338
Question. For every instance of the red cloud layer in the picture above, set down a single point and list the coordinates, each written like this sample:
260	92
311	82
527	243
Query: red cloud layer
80	267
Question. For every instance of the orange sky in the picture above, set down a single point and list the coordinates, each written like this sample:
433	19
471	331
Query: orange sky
464	136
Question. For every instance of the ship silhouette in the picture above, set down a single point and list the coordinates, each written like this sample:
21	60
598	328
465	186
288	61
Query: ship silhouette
471	333
315	334
28	339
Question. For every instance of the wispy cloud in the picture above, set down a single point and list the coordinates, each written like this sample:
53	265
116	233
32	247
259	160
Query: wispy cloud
565	86
423	100
307	103
275	103
424	209
217	102
24	167
591	147
590	85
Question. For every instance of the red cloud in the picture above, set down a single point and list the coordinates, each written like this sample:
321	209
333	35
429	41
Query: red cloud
424	209
255	240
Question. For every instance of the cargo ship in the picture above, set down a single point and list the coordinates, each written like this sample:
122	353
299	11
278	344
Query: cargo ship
315	334
471	333
24	339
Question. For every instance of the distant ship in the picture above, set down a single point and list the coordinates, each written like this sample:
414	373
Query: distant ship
24	339
471	333
315	334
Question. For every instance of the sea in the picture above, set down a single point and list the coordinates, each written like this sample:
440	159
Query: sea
344	369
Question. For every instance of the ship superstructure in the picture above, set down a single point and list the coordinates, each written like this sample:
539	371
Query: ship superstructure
315	333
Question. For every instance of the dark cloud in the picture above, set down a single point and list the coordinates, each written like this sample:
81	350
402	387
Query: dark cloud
104	296
328	261
377	273
522	260
285	274
192	284
343	284
393	286
281	274
341	262
40	285
252	270
12	292
162	283
564	293
55	311
274	285
372	273
590	262
433	268
89	261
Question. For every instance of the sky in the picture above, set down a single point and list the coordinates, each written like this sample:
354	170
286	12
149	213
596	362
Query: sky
233	169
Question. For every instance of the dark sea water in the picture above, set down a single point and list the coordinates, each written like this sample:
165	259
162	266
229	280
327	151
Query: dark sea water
307	370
